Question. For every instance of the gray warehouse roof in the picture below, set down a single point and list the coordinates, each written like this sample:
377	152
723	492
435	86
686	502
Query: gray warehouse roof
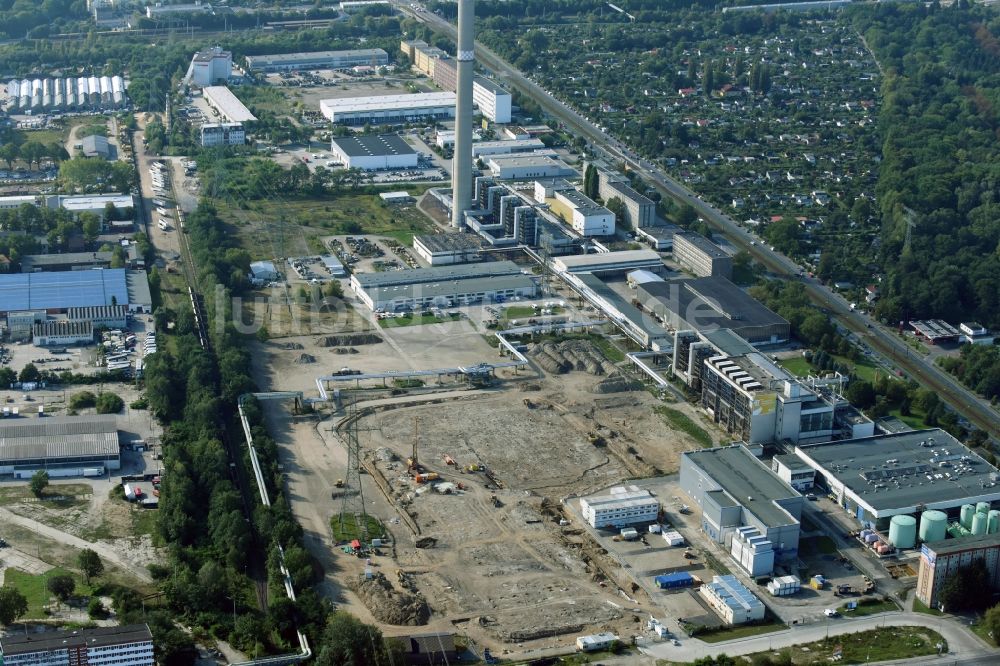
138	288
450	288
645	323
437	274
94	637
964	543
59	437
702	243
42	261
368	146
747	481
449	242
905	469
707	303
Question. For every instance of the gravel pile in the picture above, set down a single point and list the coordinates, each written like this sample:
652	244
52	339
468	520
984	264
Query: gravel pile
391	606
569	355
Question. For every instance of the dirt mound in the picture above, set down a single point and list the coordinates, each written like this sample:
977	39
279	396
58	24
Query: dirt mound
569	355
289	345
391	606
616	383
348	339
305	358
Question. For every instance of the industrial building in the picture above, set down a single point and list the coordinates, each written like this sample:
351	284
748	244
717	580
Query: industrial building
620	507
68	261
610	263
939	560
226	103
732	601
443	286
210	66
623	314
493	101
61	445
57	291
443	249
98	146
374	152
794	471
263	271
290	62
223	134
659	237
76	203
385	109
62	333
711	303
640	210
878	477
936	331
67	94
101	316
525	167
157	9
734	489
505	217
586	217
485	148
695	253
128	645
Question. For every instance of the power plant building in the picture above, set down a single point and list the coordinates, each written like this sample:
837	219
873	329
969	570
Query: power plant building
876	478
372	153
444	249
734	489
386	109
586	217
290	62
695	253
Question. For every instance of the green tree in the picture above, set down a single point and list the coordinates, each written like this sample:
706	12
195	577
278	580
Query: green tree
39	482
992	623
30	373
9	153
963	591
347	641
12	604
62	587
109	403
90	564
617	206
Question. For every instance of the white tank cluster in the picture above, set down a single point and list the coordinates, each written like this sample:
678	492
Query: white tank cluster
85	92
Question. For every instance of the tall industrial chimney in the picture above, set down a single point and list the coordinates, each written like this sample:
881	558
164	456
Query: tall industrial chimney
461	166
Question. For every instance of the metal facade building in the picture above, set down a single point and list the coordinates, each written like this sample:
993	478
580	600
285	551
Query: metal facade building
388	108
734	489
61	445
129	645
57	291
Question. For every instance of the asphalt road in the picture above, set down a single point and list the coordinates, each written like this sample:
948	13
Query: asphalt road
964	401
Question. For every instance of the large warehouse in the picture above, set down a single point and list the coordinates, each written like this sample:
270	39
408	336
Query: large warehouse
288	62
227	104
61	445
734	489
56	292
709	304
444	249
388	108
875	478
523	167
457	284
610	263
373	153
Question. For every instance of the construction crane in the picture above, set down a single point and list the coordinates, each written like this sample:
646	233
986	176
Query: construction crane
412	463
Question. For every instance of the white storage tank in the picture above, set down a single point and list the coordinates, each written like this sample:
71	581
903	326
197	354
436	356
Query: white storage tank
903	531
966	516
94	91
25	97
993	522
983	507
70	93
979	524
933	525
59	96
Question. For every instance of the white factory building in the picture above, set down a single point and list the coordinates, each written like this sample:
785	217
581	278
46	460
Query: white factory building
620	507
373	153
610	263
288	62
526	167
732	601
444	249
227	104
211	66
223	134
484	148
585	216
493	101
388	108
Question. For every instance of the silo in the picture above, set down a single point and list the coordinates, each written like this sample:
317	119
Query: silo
903	531
47	92
106	90
36	99
94	88
118	90
993	522
14	88
59	95
933	525
979	524
983	507
36	87
965	517
25	100
70	93
82	92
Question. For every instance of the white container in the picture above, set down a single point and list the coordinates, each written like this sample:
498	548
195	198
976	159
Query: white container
654	529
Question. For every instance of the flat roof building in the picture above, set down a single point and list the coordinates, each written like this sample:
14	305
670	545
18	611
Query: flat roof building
507	147
731	599
492	100
660	237
620	507
222	134
585	216
449	293
211	66
57	291
623	314
287	62
442	249
374	152
940	560
875	478
388	108
711	303
98	146
61	445
128	645
610	263
62	333
734	489
695	253
524	167
69	261
227	104
794	471
640	210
